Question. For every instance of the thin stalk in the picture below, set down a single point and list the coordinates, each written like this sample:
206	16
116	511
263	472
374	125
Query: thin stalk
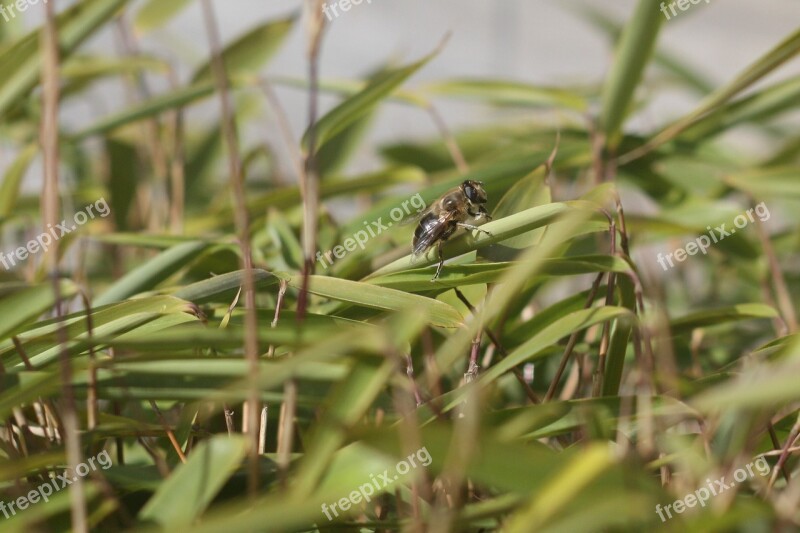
92	409
310	181
51	95
573	339
168	430
309	186
161	464
177	170
605	339
449	139
150	131
499	347
778	280
242	225
793	435
773	435
284	127
286	429
262	435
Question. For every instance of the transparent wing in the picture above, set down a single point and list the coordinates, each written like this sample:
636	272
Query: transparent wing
431	233
416	217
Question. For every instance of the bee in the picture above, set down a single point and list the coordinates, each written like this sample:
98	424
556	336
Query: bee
446	215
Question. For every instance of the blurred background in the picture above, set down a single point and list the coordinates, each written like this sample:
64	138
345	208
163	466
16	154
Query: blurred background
543	42
644	385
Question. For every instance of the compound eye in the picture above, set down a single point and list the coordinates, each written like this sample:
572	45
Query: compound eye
470	193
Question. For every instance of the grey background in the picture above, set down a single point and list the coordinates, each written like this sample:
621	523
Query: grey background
536	41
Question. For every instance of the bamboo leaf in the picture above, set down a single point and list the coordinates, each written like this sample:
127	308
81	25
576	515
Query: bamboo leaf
501	230
156	13
9	191
509	93
630	59
551	334
182	498
21	63
362	103
20	307
247	54
777	56
713	317
367	295
152	273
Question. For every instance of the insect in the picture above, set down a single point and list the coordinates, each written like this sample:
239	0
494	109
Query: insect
446	215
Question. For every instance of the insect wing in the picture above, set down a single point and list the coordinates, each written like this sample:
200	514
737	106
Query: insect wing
416	217
430	229
419	216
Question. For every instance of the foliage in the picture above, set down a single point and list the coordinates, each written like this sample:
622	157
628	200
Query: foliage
558	378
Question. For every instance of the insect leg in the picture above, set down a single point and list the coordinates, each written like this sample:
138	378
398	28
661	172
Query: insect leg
470	227
482	213
441	261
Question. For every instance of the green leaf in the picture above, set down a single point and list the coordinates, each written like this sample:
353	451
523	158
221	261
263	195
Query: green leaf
23	306
155	106
183	496
42	344
366	295
156	13
247	54
501	230
123	159
551	334
496	175
576	220
531	191
348	402
761	388
362	103
509	93
153	272
620	335
284	239
754	109
689	76
221	288
79	70
630	59
21	63
481	273
782	53
9	191
713	317
581	471
767	182
332	187
333	156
